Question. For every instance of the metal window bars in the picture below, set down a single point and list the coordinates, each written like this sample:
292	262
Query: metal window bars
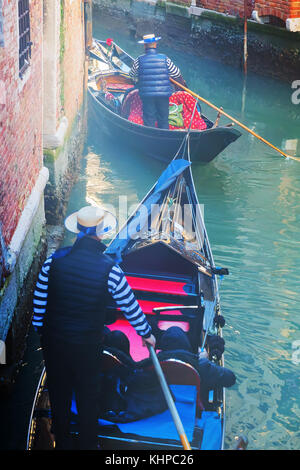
24	36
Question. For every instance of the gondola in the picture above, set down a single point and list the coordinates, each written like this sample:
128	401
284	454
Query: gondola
111	65
165	254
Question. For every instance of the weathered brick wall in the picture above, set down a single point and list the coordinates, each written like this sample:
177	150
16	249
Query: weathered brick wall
232	7
20	117
281	9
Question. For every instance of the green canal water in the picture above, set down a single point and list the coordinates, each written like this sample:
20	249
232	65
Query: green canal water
251	201
251	198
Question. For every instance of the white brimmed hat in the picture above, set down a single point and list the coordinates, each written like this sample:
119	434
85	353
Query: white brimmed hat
149	38
91	220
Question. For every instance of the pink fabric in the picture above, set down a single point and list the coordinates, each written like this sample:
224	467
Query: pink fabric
156	285
132	109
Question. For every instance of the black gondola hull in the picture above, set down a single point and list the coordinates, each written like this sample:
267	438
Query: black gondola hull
159	143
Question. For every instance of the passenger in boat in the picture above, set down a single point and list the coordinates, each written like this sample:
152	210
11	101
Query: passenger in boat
174	343
135	392
70	299
152	71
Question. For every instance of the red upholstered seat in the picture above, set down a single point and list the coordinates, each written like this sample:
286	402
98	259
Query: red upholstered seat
137	350
156	285
142	284
181	373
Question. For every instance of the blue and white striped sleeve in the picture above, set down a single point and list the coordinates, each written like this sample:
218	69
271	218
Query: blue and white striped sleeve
134	69
174	71
125	299
40	295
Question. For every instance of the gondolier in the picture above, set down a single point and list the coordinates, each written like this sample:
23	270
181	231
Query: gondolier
152	71
70	299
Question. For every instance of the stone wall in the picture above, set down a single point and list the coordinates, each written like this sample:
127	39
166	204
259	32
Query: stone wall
272	51
65	74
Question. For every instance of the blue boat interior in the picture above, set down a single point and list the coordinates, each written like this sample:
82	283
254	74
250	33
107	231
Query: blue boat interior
162	425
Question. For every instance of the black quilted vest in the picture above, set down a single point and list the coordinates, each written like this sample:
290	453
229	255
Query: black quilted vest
153	78
77	293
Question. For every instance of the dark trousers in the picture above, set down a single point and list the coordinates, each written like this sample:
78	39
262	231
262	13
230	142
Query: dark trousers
156	109
73	368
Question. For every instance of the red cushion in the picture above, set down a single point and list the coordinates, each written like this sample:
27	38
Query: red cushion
156	285
132	109
188	102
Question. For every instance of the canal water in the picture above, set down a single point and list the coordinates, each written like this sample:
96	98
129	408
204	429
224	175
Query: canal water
251	201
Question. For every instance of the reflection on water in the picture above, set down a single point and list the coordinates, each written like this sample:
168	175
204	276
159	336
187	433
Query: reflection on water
252	213
97	180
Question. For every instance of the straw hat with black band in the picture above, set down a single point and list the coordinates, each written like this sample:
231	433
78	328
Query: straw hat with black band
149	40
92	221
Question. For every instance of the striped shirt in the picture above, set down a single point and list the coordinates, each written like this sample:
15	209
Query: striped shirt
173	71
117	286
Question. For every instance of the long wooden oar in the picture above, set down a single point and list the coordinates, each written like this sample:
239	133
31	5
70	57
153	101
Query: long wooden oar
220	110
169	399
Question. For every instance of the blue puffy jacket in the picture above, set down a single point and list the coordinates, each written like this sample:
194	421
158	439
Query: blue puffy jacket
153	76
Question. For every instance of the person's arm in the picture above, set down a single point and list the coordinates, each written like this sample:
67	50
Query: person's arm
40	295
125	299
134	72
213	375
174	71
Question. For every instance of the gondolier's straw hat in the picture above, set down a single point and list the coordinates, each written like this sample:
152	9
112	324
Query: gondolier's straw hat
91	220
149	38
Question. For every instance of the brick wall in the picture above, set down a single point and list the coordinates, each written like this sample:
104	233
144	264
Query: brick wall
232	7
281	9
20	116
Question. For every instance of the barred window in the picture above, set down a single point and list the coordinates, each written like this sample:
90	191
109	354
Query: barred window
24	36
1	26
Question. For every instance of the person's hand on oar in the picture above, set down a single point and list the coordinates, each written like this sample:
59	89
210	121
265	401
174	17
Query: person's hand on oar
149	341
